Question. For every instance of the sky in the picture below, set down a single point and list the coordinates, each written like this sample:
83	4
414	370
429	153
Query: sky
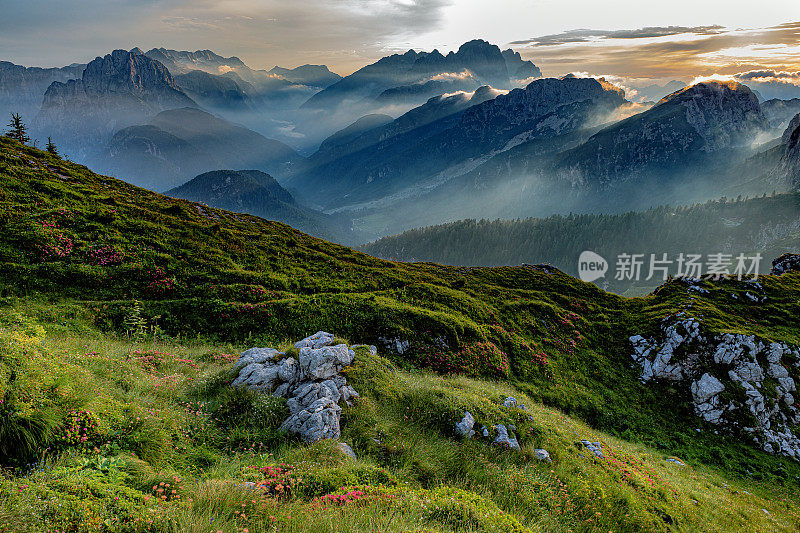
680	39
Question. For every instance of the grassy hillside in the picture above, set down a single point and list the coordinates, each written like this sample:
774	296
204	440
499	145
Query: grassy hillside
78	251
770	225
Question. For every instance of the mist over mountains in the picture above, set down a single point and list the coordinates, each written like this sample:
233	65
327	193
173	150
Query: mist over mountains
414	139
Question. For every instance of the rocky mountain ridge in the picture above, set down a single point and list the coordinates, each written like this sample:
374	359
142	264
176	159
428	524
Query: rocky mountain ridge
683	129
22	88
450	145
479	60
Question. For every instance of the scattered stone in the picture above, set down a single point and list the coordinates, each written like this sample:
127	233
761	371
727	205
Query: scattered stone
347	450
312	385
505	438
593	447
510	401
464	428
542	455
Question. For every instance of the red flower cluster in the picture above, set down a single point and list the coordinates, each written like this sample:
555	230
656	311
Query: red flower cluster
79	428
160	283
104	255
61	248
345	498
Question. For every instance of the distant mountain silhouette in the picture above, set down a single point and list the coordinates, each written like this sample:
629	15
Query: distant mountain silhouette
177	144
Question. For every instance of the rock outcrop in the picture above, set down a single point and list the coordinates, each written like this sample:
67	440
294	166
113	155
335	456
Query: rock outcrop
739	383
311	383
504	435
786	263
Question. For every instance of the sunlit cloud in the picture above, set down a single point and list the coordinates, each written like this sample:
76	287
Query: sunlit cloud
669	52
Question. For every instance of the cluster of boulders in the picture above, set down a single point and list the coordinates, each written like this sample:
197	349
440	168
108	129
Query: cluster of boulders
311	383
504	435
737	382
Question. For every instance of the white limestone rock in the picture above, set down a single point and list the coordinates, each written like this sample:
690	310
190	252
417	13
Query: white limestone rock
464	427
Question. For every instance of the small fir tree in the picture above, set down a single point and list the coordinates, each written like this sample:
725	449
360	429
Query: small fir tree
17	129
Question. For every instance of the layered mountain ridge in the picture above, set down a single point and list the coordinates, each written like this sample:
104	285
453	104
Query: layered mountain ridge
478	62
451	143
176	145
257	193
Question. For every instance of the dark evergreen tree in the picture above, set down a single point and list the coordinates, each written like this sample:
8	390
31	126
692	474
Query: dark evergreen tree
51	148
17	129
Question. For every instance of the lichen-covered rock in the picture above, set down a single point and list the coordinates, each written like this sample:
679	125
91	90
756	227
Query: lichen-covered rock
311	384
505	438
510	401
320	420
593	447
347	450
760	401
325	362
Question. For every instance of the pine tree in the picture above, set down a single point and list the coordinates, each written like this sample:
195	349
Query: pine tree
17	129
51	148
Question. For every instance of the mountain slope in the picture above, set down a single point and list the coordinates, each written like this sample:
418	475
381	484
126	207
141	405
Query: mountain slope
788	169
257	193
563	342
438	112
178	144
115	91
780	112
212	91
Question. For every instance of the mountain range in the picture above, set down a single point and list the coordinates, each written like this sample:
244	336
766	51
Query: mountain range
681	132
390	148
445	137
475	63
22	88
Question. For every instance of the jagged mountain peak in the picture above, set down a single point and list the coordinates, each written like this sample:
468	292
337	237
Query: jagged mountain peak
715	94
122	71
